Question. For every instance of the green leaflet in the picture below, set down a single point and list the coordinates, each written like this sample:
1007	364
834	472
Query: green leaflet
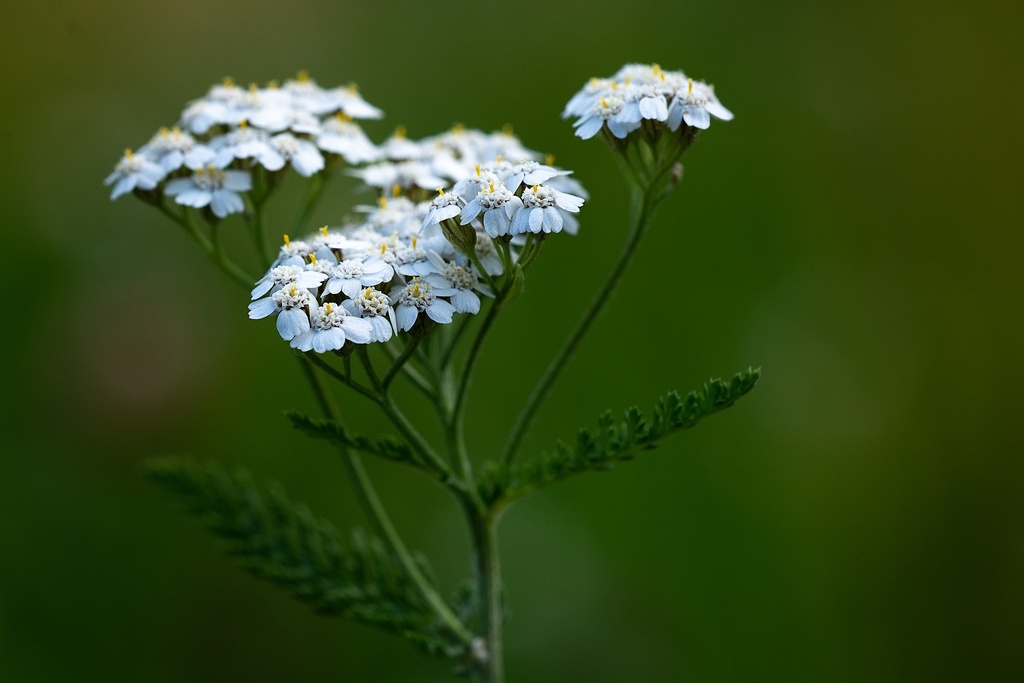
284	543
386	448
615	440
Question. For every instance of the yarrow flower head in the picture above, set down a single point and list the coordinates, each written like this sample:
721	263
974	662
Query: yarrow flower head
415	260
232	133
639	93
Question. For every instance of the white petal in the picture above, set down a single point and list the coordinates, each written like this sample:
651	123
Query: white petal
440	311
359	331
406	316
262	308
292	323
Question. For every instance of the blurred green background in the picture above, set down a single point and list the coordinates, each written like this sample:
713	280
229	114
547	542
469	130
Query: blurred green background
855	231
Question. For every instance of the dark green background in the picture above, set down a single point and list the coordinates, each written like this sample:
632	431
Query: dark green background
855	231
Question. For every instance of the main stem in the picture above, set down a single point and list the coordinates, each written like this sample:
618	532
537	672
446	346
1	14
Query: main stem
487	566
642	211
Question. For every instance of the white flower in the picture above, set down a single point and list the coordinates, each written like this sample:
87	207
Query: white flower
443	207
292	253
352	275
418	296
375	308
695	104
339	135
290	304
246	142
458	282
329	327
303	155
583	101
531	173
400	148
211	186
406	175
610	111
134	171
651	102
497	204
281	276
352	104
169	148
542	210
641	92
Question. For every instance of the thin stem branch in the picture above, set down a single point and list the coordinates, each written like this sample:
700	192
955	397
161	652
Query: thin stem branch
374	509
400	362
212	249
643	206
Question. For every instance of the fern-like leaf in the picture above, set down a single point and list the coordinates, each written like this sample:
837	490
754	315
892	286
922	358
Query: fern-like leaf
615	440
283	542
386	447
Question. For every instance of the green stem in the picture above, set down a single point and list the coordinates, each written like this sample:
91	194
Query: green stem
400	361
491	665
458	414
211	247
644	204
370	502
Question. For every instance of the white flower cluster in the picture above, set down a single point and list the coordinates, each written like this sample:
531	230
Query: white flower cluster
640	92
496	183
397	267
206	159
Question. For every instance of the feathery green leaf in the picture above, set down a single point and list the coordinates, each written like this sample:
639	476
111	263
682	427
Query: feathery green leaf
615	441
284	543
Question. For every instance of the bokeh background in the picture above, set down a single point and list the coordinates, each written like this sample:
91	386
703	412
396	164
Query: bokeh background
855	231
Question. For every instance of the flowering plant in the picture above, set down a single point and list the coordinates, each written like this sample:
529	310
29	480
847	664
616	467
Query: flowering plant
408	291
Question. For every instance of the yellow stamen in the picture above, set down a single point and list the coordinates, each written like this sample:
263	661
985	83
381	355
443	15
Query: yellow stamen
689	87
604	103
440	191
328	307
163	132
312	259
383	248
228	82
507	129
396	190
399	131
458	129
243	124
253	88
615	86
128	153
323	231
273	85
176	132
302	76
353	88
367	292
549	159
287	242
628	79
292	291
477	169
383	202
342	116
501	158
414	239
